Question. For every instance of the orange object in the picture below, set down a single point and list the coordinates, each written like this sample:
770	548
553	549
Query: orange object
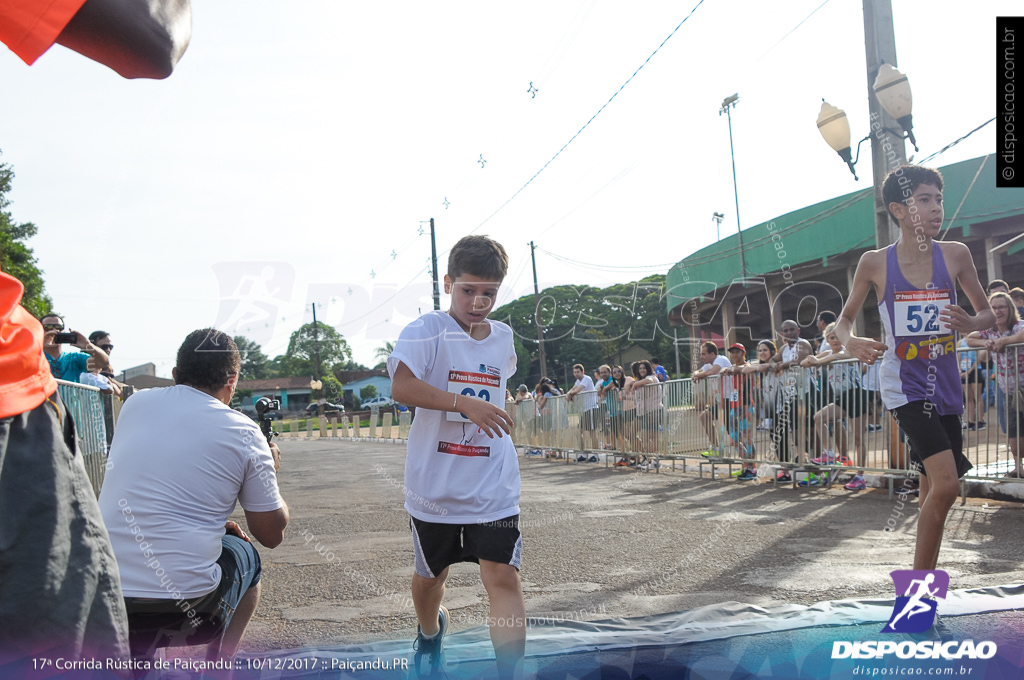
30	27
25	378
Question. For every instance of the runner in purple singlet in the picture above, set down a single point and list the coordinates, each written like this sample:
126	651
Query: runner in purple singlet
915	282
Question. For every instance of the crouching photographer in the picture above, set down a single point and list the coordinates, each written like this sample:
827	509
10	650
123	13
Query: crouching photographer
180	459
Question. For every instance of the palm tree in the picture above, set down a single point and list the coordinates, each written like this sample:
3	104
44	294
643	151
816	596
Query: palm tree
384	351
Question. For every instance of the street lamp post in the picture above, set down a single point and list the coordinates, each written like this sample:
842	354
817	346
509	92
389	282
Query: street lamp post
889	104
727	106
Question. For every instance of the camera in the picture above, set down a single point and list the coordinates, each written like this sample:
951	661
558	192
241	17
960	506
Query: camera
265	405
65	338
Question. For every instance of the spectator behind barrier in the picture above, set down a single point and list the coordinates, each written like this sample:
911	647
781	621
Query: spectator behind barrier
180	460
102	378
69	365
49	518
1009	330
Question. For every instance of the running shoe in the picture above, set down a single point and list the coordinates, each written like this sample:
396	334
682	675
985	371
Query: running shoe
592	459
856	484
737	473
430	649
845	460
747	475
709	454
581	459
621	463
783	476
812	480
981	425
828	458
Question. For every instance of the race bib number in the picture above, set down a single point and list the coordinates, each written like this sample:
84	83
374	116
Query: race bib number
916	312
477	385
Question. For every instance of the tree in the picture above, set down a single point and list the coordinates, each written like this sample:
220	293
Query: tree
384	351
301	355
255	364
367	392
16	258
590	326
333	390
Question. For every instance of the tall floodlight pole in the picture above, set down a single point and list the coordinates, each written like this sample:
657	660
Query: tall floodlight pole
727	107
433	266
536	314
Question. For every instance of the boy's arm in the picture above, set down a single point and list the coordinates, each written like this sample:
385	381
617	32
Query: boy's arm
408	389
870	270
967	276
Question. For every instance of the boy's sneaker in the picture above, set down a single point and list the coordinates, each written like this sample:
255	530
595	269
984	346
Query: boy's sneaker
827	458
431	648
856	484
737	473
747	475
783	476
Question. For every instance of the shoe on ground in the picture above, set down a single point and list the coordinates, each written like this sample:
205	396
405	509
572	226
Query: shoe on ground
856	484
581	459
981	425
811	480
430	650
592	459
621	463
737	473
747	475
783	476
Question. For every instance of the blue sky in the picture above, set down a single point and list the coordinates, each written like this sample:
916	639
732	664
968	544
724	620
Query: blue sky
293	157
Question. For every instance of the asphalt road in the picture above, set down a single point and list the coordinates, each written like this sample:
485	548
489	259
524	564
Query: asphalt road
599	543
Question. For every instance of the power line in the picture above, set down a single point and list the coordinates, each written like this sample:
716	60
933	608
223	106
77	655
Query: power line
793	30
585	125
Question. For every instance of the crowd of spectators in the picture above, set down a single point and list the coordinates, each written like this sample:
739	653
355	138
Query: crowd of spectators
818	404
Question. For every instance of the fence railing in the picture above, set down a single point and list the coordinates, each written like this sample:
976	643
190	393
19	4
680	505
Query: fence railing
95	415
825	415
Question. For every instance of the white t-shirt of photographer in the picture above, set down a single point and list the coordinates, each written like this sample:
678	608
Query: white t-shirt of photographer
455	473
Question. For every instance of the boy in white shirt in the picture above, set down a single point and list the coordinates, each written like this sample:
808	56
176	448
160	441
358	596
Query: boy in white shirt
461	471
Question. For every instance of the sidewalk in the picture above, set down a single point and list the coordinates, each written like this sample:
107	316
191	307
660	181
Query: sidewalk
598	544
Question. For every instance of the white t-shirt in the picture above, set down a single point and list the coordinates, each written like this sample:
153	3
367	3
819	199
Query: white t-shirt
454	473
589	396
719	381
178	462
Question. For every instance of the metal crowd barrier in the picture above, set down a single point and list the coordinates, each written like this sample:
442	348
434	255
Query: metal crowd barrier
94	415
827	417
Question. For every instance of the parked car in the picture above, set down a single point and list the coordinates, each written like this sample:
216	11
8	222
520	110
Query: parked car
312	408
379	402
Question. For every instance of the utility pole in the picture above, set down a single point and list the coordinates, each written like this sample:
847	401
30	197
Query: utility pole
316	365
433	265
536	314
888	150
